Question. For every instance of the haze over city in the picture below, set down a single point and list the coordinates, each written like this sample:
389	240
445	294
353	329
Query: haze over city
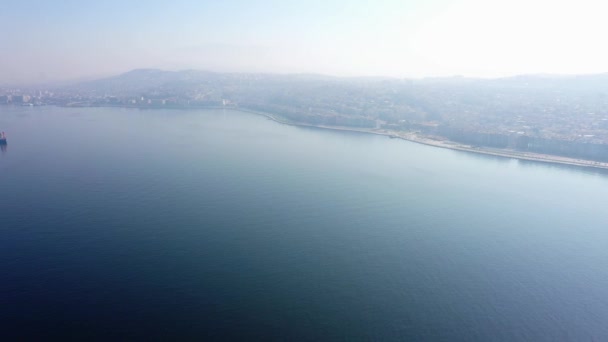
312	170
51	41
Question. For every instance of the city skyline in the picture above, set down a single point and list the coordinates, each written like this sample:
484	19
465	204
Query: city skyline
413	39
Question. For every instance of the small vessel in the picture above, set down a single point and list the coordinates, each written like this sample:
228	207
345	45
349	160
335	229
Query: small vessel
3	139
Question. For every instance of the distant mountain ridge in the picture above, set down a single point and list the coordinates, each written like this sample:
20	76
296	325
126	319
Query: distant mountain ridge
142	80
139	80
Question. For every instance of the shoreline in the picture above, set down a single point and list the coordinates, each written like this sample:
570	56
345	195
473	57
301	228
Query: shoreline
446	144
434	141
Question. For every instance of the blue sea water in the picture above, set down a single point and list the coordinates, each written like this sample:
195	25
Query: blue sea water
213	225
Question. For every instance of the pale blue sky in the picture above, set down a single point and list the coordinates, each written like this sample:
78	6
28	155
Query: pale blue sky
50	40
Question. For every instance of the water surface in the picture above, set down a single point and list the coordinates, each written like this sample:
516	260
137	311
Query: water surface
145	224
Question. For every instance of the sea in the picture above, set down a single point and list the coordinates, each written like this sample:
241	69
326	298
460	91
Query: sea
129	224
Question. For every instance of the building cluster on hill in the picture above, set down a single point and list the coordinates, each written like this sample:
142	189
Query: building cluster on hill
561	116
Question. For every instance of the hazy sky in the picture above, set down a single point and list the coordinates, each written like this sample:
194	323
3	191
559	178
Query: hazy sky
50	40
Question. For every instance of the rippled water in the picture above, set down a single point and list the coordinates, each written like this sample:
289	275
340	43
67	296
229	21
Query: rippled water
219	224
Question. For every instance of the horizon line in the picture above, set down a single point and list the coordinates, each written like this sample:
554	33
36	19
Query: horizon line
92	78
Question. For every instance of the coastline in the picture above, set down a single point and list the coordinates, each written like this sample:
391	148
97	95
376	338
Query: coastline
434	141
444	143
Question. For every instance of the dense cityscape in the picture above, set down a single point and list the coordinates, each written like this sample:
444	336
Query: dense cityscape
565	116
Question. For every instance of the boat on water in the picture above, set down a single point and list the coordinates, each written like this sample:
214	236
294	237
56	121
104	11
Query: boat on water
2	139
